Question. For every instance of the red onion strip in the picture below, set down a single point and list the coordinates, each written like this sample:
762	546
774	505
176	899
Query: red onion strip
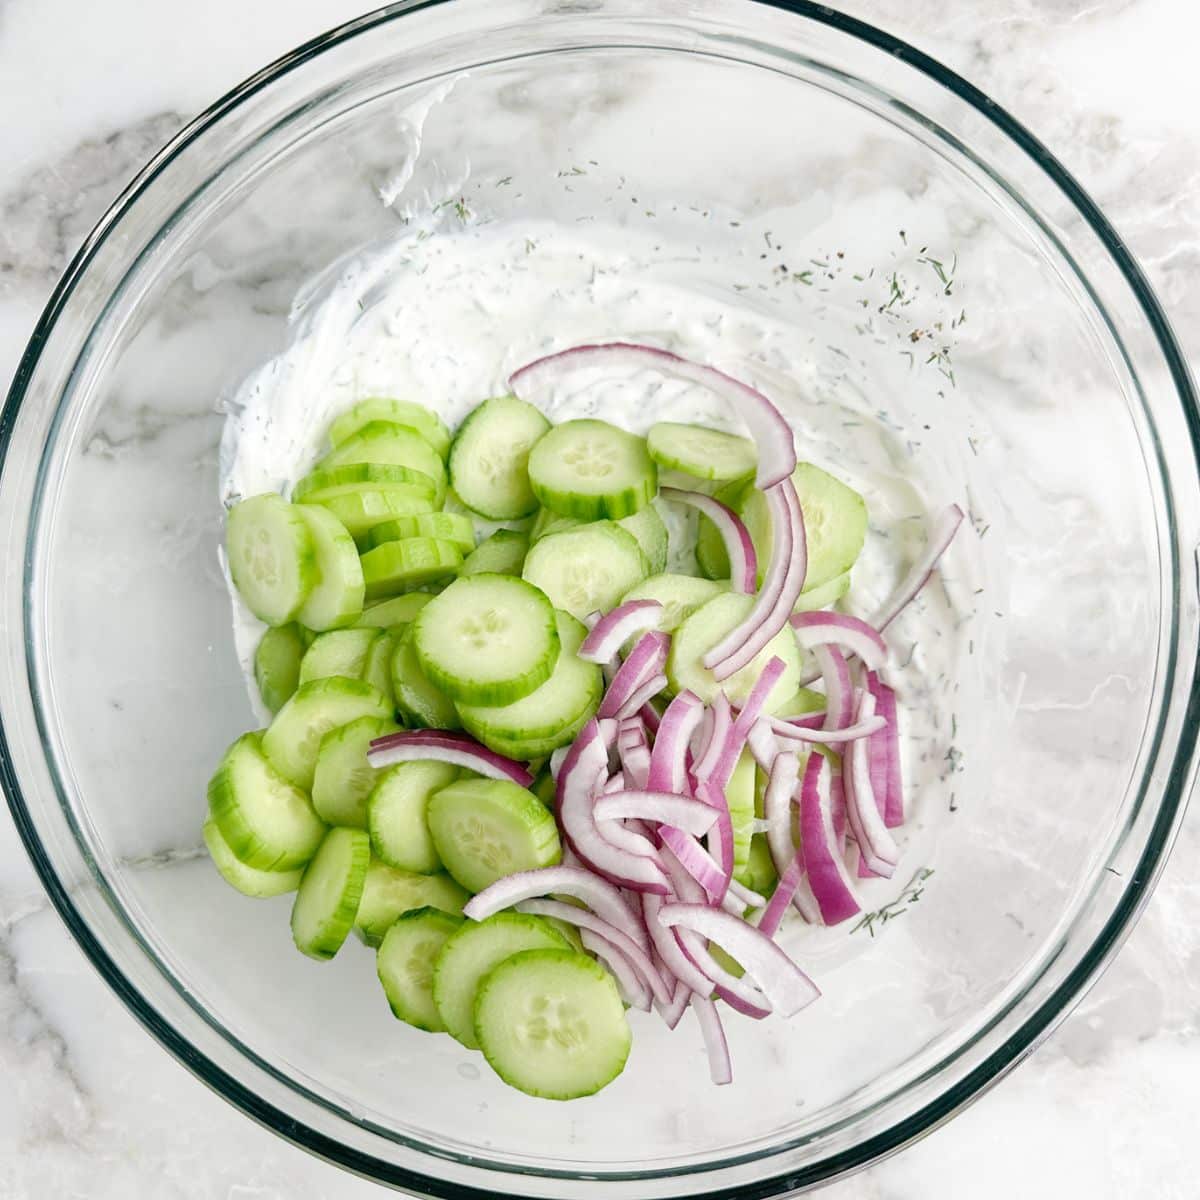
787	732
629	983
436	746
642	694
824	863
645	661
672	1013
720	1065
893	809
941	535
615	628
667	946
824	628
662	808
839	691
743	560
668	758
650	716
875	842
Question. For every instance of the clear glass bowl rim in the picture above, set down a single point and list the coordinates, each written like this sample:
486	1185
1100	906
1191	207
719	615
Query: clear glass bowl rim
1021	1041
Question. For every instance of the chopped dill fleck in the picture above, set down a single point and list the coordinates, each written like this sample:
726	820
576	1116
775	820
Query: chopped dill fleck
804	277
898	907
530	245
504	182
460	207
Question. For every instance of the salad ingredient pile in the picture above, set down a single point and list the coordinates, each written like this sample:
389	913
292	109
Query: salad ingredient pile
544	778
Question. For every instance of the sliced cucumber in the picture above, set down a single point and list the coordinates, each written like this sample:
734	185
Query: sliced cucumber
401	566
593	470
266	822
272	559
758	873
386	444
405	963
377	667
711	556
487	639
490	455
501	554
342	652
399	412
343	778
587	569
327	901
360	511
804	700
337	597
248	880
445	527
471	953
532	750
547	522
701	452
389	893
551	1023
553	712
355	479
544	787
399	610
703	629
680	596
396	820
422	705
824	594
739	795
650	533
277	664
485	829
293	739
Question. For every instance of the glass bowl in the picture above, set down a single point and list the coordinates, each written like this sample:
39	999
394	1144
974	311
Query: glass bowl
973	330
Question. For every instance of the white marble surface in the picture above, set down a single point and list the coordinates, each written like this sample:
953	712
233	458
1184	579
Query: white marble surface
91	1107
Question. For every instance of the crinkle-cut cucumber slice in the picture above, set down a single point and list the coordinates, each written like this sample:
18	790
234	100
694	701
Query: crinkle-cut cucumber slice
485	829
501	554
250	881
341	652
396	814
389	445
490	455
702	452
277	664
551	1023
326	482
327	901
591	469
421	703
360	511
401	566
266	822
405	962
487	639
337	596
586	569
474	950
293	739
703	629
446	527
272	559
343	778
398	412
389	893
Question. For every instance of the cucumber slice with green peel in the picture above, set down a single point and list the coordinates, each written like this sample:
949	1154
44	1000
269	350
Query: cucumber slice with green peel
711	556
277	664
340	653
445	527
487	639
272	559
569	933
266	822
593	470
399	412
420	702
396	820
248	880
824	594
471	953
401	566
293	739
759	873
501	554
405	963
399	610
532	750
551	1023
703	629
389	893
337	597
327	901
360	511
702	452
388	445
485	829
802	701
490	455
343	778
679	595
739	795
547	522
377	667
544	788
650	533
586	569
566	700
325	483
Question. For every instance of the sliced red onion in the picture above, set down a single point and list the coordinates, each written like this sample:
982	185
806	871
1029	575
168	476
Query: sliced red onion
646	661
602	897
650	716
787	732
782	896
786	987
652	687
720	1065
667	946
777	809
745	896
668	759
631	732
636	764
556	760
718	731
885	706
839	691
875	842
756	1012
720	837
771	433
837	804
629	983
811	720
629	840
577	782
940	536
824	628
759	694
824	862
741	990
739	547
614	783
877	755
672	1013
763	745
700	865
662	808
613	630
436	746
635	951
